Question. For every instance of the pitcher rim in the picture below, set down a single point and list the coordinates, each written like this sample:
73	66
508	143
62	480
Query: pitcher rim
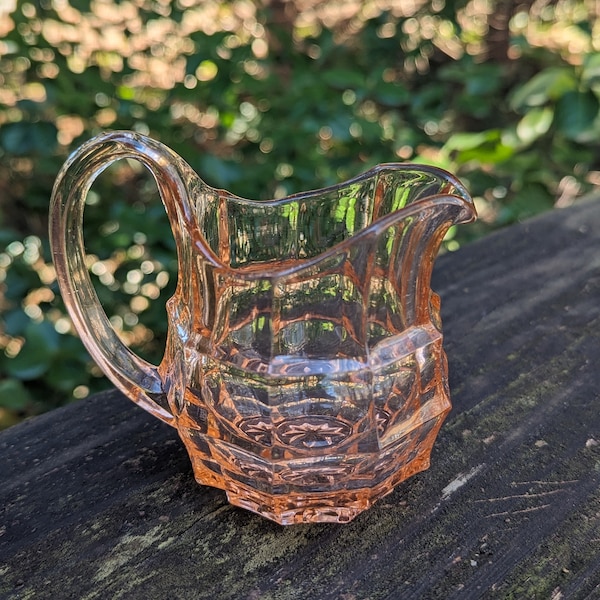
461	199
369	173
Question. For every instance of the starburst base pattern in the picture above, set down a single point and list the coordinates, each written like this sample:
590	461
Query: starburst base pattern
334	507
323	456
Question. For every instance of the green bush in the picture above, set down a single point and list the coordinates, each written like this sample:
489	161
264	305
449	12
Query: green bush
265	101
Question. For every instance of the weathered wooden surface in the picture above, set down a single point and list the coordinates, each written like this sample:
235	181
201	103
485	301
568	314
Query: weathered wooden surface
97	500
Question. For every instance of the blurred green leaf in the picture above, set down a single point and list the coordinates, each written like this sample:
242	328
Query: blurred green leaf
343	79
492	153
590	75
15	321
218	171
14	395
35	357
391	94
484	80
549	84
527	202
470	141
25	137
575	115
486	147
20	279
535	124
478	79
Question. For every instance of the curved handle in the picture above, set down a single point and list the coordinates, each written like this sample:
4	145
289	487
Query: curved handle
135	377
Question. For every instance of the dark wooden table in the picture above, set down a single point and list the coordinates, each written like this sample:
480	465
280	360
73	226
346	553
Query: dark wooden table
97	500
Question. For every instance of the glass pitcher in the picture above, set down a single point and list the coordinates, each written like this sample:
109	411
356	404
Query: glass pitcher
303	368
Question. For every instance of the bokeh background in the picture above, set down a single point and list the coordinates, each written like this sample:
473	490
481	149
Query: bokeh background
265	99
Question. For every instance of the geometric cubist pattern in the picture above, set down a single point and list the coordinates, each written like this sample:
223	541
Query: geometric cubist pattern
305	360
307	410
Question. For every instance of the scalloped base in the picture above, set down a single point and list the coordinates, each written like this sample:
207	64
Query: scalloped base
369	478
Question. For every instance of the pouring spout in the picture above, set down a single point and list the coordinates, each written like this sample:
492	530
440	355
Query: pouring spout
402	185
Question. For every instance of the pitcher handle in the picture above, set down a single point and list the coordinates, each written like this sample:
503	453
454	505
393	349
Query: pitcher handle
135	377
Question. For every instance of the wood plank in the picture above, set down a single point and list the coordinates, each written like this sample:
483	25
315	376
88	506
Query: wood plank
98	500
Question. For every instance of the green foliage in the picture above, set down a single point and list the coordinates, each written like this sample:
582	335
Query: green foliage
264	102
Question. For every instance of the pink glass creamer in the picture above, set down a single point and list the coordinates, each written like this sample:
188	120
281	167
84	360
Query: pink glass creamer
304	367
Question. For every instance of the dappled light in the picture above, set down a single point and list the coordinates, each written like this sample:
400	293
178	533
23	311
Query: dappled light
267	99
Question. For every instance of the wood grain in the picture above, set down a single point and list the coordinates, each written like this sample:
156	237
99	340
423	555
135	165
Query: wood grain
97	500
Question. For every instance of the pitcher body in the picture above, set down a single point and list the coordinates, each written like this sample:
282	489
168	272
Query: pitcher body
304	367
